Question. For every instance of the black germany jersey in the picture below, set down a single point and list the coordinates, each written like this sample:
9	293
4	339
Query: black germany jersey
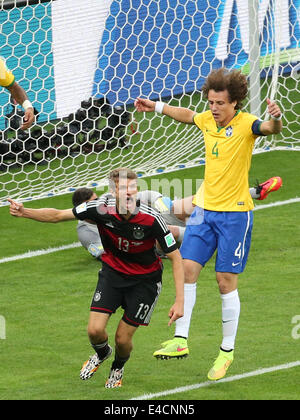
129	244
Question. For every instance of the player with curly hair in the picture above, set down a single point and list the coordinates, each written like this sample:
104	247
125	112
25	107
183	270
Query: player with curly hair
222	218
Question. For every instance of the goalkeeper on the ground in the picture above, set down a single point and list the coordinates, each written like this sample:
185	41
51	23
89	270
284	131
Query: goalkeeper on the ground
174	212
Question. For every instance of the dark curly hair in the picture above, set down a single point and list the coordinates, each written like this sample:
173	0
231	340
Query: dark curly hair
233	81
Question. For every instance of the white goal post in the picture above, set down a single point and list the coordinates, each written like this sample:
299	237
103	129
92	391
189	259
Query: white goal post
83	63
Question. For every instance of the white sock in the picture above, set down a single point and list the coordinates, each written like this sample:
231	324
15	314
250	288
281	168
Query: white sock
230	318
183	324
253	193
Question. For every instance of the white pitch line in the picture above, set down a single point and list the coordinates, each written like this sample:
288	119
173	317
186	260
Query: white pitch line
210	383
277	203
39	252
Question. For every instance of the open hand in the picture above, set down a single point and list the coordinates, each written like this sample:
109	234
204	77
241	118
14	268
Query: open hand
144	105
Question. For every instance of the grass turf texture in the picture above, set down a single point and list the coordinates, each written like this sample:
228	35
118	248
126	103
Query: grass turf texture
45	301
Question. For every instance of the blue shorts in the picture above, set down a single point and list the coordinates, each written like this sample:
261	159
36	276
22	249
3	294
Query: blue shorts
227	232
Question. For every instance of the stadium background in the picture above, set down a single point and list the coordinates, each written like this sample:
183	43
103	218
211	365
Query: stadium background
108	48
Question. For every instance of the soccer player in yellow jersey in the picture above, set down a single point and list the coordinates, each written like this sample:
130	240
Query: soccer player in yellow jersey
222	218
7	80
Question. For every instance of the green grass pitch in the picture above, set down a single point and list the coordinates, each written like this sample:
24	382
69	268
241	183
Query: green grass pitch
45	304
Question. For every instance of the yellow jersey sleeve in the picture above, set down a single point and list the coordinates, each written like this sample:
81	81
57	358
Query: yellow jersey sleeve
6	76
228	153
199	120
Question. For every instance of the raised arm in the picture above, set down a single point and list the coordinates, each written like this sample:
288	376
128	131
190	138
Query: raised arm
274	124
180	114
48	215
177	309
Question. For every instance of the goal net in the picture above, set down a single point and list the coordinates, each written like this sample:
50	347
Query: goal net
83	64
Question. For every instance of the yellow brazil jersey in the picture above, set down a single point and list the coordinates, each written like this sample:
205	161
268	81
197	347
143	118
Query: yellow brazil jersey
228	152
6	76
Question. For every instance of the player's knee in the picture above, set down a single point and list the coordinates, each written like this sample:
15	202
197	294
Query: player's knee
191	271
227	282
123	340
96	333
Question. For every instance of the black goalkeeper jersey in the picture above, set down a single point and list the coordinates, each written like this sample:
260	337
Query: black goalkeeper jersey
129	244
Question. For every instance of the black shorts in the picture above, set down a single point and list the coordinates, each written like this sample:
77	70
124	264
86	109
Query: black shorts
137	295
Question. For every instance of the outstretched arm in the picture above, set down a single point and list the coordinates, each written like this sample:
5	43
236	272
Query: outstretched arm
48	215
180	114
